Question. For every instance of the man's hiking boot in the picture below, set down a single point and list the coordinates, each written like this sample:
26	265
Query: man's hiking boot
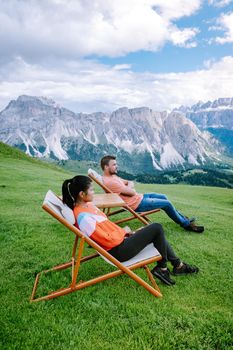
185	269
192	219
194	228
163	275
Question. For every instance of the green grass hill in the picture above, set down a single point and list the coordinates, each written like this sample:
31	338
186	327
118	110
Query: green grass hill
196	313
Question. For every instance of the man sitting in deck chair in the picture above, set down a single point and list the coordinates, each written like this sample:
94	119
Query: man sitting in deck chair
142	202
78	193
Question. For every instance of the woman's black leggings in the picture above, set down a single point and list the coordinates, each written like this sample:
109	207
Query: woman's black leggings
153	233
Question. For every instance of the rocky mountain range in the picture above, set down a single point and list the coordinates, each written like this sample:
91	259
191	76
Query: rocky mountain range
216	114
215	117
142	138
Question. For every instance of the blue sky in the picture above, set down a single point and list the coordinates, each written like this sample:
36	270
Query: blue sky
104	54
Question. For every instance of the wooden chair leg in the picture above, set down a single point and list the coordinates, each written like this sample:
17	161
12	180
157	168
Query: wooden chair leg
75	247
77	264
151	278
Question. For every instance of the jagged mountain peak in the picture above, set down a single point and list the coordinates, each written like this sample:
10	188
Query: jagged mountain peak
140	110
26	102
214	116
218	104
44	100
211	114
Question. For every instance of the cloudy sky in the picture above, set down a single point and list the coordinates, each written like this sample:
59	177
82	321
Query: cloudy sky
99	55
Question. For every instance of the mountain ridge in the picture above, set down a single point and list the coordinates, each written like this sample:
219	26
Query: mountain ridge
157	140
215	117
215	114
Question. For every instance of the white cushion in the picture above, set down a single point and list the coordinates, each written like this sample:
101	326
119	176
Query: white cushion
68	214
59	207
148	252
95	174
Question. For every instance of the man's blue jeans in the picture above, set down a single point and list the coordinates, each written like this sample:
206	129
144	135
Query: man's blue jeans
152	201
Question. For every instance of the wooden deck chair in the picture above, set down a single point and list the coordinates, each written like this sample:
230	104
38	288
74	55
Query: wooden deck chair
97	178
54	206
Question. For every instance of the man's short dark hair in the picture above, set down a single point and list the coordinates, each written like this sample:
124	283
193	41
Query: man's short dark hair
105	161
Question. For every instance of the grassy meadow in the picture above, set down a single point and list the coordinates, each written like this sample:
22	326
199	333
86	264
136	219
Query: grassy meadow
196	313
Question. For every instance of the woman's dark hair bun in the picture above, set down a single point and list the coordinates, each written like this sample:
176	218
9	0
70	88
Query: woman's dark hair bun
72	187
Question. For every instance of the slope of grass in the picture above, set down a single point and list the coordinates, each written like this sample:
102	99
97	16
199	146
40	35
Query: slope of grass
9	152
117	314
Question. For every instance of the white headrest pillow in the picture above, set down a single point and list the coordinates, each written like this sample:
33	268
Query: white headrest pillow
68	214
95	174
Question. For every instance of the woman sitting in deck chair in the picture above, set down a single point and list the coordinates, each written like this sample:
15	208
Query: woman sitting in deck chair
78	194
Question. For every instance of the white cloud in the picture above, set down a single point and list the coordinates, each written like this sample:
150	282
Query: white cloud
74	29
220	3
184	37
88	86
122	66
176	8
225	23
208	63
